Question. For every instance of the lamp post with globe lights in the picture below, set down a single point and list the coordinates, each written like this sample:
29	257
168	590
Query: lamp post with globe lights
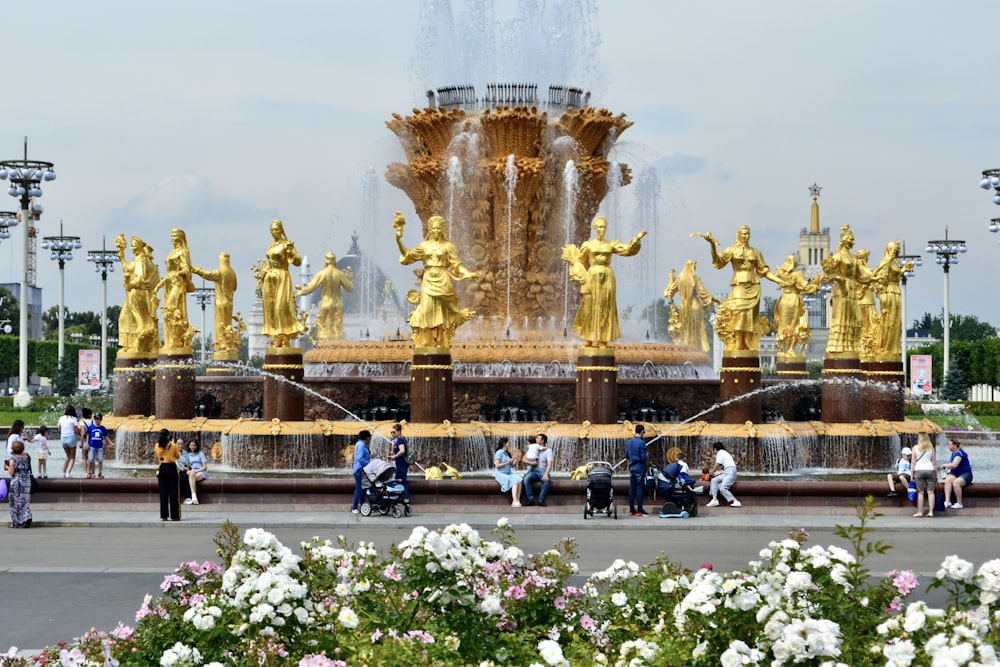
947	251
8	219
203	295
903	261
62	248
25	178
104	263
991	180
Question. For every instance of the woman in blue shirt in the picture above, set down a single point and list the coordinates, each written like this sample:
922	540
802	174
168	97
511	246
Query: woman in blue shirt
959	474
196	468
504	473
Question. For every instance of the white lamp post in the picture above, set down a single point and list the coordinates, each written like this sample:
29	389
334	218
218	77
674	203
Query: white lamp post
903	261
62	248
947	251
203	295
25	178
104	262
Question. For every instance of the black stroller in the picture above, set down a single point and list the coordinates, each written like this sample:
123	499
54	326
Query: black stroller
678	495
600	492
382	492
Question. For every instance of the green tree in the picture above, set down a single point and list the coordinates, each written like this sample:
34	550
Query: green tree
963	327
954	388
64	382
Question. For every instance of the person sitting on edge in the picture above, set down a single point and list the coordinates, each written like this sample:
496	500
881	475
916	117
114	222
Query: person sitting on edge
902	474
504	474
542	471
959	474
195	468
635	452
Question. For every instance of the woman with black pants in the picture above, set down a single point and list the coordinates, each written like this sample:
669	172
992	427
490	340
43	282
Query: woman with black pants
167	454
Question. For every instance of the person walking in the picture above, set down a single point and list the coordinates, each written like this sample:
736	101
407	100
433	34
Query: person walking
362	457
166	456
504	473
638	462
18	466
723	477
398	455
923	463
68	438
959	474
541	472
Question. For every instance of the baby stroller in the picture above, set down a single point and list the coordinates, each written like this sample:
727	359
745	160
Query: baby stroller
381	491
600	492
678	494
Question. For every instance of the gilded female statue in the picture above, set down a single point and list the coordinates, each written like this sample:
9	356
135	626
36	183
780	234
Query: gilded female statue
281	322
695	299
842	269
176	285
867	308
330	280
791	325
225	287
138	331
887	277
437	314
590	265
739	323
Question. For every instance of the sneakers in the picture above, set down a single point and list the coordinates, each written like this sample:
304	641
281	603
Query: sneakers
736	503
714	502
956	506
354	511
194	501
891	494
515	504
188	502
643	512
947	505
541	503
634	514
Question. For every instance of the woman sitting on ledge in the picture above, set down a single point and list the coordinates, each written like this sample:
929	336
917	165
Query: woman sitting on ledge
959	474
504	474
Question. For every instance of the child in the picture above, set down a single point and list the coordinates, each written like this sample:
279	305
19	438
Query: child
97	435
531	456
42	450
705	475
902	473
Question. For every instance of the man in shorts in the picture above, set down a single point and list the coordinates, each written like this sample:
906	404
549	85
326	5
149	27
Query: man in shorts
97	436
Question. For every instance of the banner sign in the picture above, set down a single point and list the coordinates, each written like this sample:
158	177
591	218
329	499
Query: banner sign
89	373
920	375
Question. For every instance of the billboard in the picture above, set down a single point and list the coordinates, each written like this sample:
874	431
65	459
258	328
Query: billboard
920	375
89	370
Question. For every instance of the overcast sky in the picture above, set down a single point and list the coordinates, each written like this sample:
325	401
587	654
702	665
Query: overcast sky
217	117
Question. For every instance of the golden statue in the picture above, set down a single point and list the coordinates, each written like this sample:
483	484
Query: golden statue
843	270
739	323
176	285
867	308
330	280
138	331
437	315
590	265
225	286
281	322
791	322
689	328
887	277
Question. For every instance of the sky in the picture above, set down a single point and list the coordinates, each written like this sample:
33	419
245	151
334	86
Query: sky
217	117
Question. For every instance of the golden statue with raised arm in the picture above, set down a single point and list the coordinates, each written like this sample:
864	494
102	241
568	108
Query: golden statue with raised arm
330	280
281	322
695	300
176	285
887	277
225	287
791	323
842	269
739	323
867	308
138	331
596	319
437	315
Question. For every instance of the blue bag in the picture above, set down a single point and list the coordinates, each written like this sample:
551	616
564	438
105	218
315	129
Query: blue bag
3	489
939	502
911	491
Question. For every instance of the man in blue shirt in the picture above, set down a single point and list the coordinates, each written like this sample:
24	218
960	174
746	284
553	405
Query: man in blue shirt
362	457
97	434
635	452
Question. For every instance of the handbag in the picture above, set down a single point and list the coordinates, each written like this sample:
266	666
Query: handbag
3	489
34	484
911	491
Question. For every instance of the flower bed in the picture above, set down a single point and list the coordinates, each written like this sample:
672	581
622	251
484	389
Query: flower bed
450	597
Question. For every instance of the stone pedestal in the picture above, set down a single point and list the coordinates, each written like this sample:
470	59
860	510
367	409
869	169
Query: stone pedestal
739	378
596	386
792	368
283	374
133	394
431	385
175	386
883	395
841	388
222	363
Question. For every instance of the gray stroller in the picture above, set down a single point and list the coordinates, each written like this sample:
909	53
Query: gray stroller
382	492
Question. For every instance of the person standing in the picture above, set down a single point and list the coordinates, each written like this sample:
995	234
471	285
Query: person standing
959	474
97	435
195	468
723	481
166	456
82	427
504	473
14	434
398	455
923	463
68	438
362	457
638	462
18	466
541	472
41	441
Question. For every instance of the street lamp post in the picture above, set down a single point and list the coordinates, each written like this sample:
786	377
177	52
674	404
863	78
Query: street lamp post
104	263
8	219
947	251
62	248
25	178
903	261
203	295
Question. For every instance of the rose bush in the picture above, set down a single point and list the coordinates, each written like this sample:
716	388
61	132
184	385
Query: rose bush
450	597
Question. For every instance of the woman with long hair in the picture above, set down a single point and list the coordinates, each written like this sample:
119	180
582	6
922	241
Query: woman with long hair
176	286
68	438
167	453
281	322
923	464
504	473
